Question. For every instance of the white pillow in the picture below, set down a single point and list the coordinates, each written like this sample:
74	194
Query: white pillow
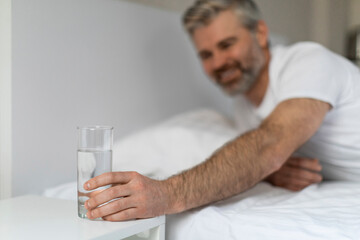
174	145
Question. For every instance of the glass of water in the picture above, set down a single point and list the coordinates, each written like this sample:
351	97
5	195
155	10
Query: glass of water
94	157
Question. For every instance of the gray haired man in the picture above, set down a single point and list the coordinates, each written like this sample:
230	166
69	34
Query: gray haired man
302	98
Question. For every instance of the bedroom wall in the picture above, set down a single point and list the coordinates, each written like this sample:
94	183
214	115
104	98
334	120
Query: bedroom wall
354	16
323	21
284	17
81	62
77	62
5	99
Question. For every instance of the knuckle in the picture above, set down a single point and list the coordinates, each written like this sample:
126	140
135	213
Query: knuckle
92	202
276	180
140	186
134	175
270	179
118	205
126	214
112	192
136	187
313	165
277	183
291	174
302	161
302	187
295	188
310	175
319	167
95	213
109	176
318	178
291	181
294	160
144	212
94	182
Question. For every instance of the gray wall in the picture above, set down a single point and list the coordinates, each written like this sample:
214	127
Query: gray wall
353	13
323	21
284	17
287	18
5	99
81	62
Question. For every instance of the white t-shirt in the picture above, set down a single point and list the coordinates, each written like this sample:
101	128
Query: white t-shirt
308	70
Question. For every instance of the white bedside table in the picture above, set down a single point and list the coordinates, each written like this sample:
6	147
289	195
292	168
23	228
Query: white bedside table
35	217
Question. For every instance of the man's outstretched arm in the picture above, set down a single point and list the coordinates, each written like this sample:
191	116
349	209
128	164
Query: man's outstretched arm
232	169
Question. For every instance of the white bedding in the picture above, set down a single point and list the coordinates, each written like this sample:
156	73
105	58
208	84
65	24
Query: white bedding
330	210
324	211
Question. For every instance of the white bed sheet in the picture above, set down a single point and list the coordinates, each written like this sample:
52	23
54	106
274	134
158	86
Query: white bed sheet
330	210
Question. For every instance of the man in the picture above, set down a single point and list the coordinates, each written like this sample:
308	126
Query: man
301	99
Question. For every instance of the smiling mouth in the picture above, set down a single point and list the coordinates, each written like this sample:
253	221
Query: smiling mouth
227	76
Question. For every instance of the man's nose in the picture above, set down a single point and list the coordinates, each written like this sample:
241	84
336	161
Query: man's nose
219	60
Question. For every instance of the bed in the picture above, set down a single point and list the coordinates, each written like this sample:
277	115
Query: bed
329	210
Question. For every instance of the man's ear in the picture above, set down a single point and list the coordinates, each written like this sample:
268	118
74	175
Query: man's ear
262	34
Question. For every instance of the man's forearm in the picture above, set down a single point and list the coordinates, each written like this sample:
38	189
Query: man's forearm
235	167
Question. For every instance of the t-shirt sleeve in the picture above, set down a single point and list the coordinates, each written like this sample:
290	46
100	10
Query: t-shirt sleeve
310	72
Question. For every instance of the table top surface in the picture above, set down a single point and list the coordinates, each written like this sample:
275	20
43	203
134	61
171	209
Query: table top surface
35	217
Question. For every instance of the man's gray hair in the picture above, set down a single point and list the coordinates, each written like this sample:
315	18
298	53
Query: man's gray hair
204	11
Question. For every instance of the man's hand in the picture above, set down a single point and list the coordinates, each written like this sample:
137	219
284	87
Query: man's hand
296	174
134	196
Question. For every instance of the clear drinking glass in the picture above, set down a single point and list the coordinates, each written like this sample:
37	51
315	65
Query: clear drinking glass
94	157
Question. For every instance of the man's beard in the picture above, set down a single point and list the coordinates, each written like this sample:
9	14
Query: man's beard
248	76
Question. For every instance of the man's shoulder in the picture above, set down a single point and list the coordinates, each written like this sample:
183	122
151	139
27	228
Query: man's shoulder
305	69
306	46
300	49
304	55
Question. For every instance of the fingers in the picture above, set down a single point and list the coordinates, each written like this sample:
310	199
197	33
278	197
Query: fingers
294	178
127	214
312	164
107	195
288	183
110	208
108	178
293	184
295	173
